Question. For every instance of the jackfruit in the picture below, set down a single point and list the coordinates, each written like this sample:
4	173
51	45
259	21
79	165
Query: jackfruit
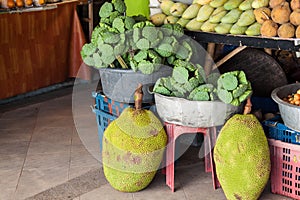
286	30
262	14
269	28
178	8
165	6
191	11
295	17
158	19
295	4
281	13
242	157
133	147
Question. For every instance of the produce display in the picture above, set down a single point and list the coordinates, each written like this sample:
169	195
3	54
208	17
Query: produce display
133	147
271	18
293	99
189	81
21	4
242	157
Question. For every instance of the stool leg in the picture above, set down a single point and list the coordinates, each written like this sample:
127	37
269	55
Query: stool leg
212	141
170	156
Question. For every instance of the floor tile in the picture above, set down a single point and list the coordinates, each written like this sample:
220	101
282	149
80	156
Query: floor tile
158	189
106	192
81	162
41	172
8	183
25	112
18	135
10	162
13	148
51	140
54	121
13	124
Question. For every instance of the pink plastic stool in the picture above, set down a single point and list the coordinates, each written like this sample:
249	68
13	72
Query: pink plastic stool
174	131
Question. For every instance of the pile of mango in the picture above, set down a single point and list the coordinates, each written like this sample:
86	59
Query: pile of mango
269	18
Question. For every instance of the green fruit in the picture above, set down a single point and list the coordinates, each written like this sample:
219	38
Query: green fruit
194	25
204	12
242	158
217	3
260	3
178	8
247	18
232	16
238	30
246	5
183	22
254	29
217	15
165	6
158	19
232	4
171	19
223	28
191	12
133	147
208	26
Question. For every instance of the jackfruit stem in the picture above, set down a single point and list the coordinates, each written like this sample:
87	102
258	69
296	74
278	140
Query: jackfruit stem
138	97
247	109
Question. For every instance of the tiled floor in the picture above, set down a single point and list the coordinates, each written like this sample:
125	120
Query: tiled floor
48	140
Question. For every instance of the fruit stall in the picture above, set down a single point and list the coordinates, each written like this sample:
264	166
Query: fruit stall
159	64
40	46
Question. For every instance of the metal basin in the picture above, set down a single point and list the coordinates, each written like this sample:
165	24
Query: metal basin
290	114
193	113
120	84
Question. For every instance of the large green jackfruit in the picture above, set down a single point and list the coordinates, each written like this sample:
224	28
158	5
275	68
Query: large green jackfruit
133	147
242	158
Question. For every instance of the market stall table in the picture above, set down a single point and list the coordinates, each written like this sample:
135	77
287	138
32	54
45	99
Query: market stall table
40	46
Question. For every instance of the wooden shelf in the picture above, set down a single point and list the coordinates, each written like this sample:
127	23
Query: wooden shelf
289	44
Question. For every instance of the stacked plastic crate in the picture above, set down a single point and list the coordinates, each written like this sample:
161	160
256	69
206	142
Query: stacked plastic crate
285	158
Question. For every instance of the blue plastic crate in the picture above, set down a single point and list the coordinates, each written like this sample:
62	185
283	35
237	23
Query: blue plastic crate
107	105
103	120
275	129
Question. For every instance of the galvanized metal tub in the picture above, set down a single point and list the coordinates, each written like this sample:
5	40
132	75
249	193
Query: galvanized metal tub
193	113
290	114
120	84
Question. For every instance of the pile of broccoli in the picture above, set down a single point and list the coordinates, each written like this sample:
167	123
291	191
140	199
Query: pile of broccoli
135	43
